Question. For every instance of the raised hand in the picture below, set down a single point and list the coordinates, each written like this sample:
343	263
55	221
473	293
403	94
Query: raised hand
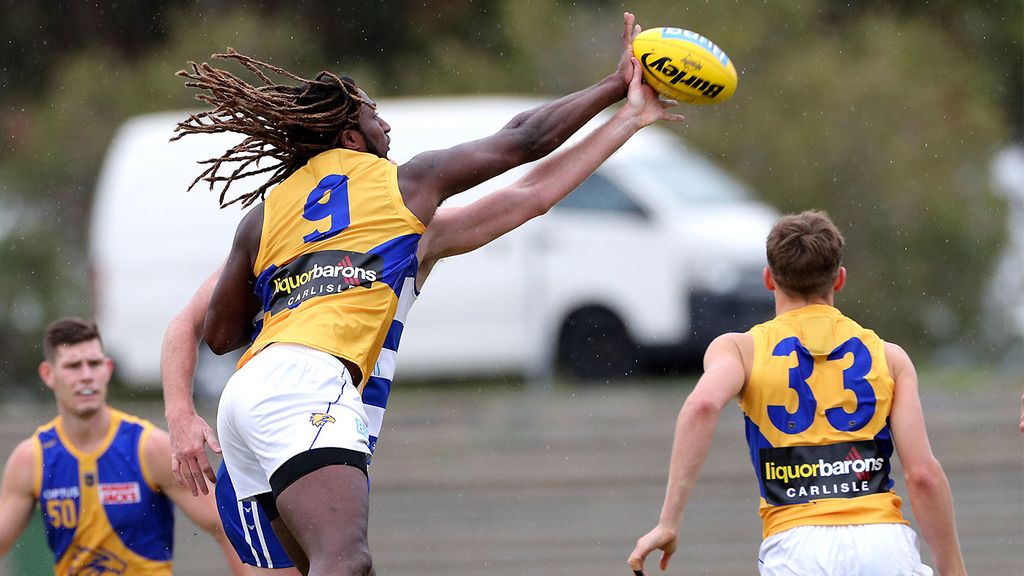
629	31
645	103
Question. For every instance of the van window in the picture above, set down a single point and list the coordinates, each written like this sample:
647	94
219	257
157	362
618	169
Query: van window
692	181
599	193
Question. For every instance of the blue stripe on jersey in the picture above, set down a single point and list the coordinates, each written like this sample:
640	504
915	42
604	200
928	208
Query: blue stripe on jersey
376	392
60	482
394	335
399	256
378	386
263	290
884	441
755	442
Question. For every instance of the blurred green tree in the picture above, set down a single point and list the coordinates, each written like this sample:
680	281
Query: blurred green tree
851	112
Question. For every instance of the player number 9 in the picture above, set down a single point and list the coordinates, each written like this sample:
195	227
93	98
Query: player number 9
328	200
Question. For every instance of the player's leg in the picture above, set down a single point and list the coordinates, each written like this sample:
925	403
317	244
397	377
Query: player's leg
241	476
295	552
294	549
250	531
282	535
326	511
303	419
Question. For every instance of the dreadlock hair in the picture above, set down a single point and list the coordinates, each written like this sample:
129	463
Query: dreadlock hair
290	124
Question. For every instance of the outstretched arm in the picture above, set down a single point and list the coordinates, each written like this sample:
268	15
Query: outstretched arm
189	432
16	498
927	485
202	509
723	378
463	229
429	178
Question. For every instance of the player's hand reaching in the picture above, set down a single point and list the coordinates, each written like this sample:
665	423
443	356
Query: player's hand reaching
189	436
629	31
645	103
661	538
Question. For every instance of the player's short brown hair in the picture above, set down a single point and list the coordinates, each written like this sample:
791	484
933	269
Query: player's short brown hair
66	332
805	252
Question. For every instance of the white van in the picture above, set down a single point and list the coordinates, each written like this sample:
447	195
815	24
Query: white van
655	254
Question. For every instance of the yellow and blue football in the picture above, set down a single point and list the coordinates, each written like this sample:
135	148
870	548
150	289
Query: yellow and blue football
685	66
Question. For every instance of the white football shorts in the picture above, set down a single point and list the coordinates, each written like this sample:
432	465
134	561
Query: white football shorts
286	400
850	550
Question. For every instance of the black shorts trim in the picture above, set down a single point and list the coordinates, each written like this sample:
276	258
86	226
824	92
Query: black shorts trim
266	501
301	464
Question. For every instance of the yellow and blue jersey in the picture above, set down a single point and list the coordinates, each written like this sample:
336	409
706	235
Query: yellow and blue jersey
102	511
336	246
816	408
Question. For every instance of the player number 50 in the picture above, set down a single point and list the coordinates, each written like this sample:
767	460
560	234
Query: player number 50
62	513
854	379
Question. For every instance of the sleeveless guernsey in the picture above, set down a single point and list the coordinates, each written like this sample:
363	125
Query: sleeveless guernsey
336	244
817	409
102	511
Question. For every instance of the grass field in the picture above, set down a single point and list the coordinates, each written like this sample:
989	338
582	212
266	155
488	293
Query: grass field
508	480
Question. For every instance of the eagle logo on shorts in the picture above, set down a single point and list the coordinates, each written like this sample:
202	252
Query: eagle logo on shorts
318	419
97	562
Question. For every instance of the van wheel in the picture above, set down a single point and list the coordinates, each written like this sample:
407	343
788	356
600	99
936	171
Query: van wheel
594	346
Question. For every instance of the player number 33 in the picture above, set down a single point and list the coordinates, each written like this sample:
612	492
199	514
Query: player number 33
854	379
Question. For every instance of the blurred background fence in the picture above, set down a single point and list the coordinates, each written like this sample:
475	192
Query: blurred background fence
505	481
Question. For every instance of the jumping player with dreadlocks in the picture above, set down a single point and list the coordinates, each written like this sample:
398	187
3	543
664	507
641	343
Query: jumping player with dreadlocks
321	261
454	230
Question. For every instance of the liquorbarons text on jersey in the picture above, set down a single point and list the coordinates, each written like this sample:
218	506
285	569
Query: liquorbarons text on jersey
317	274
796	474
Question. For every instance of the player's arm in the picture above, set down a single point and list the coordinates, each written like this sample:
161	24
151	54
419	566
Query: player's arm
428	178
233	304
927	485
189	432
465	228
16	498
202	510
723	378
